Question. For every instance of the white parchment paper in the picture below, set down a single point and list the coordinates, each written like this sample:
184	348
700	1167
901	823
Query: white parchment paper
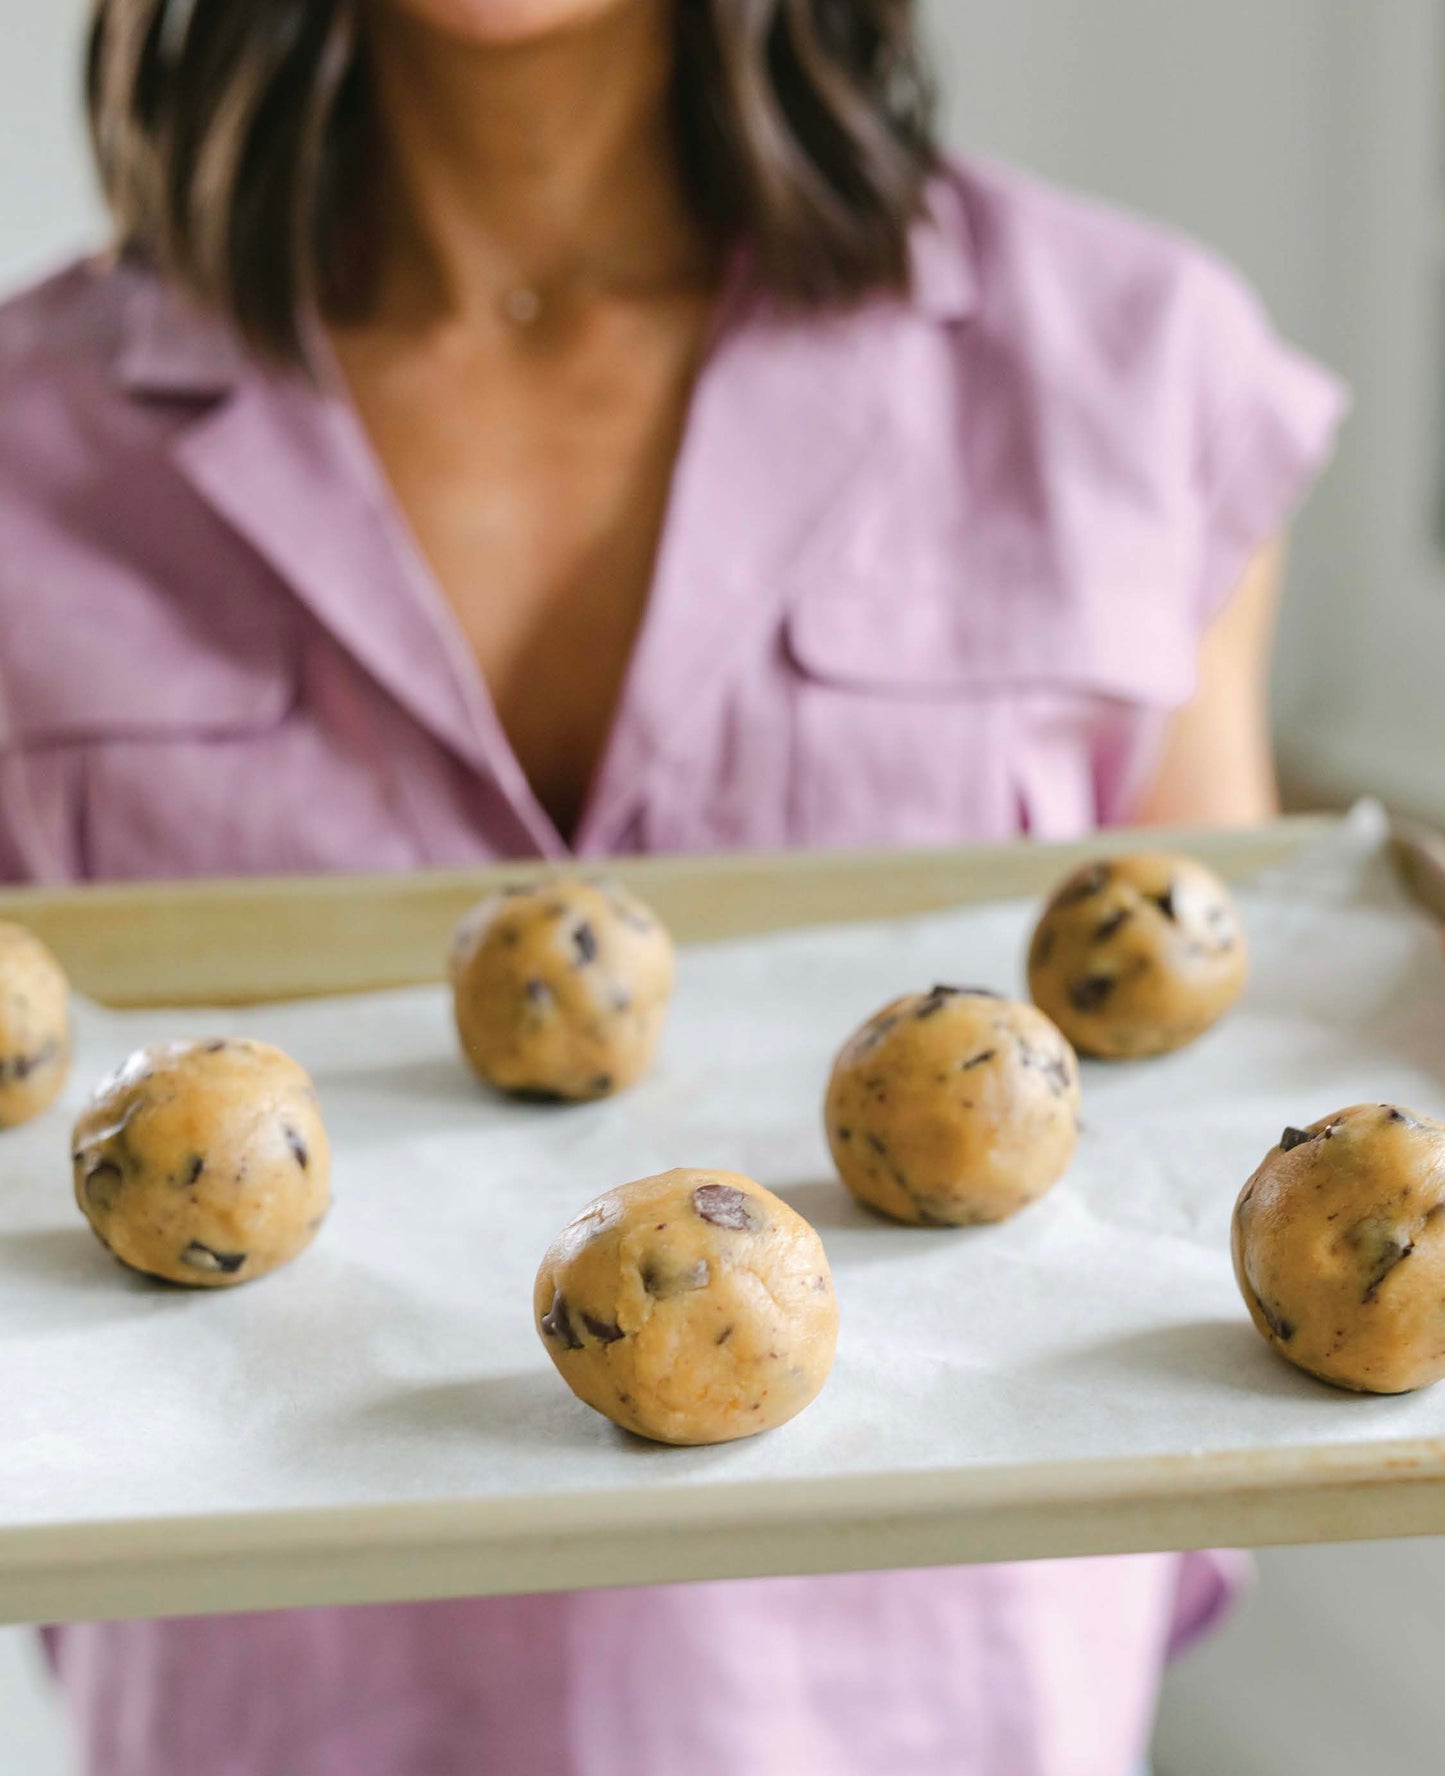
397	1359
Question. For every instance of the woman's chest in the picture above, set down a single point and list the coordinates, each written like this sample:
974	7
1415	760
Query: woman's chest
817	710
532	472
873	620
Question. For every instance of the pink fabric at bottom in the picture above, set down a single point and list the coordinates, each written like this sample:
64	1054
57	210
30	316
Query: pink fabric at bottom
1003	1671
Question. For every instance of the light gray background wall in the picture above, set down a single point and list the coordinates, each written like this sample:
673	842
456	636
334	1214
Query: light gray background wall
47	205
1305	139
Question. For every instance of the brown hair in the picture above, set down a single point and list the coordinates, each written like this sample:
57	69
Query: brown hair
227	132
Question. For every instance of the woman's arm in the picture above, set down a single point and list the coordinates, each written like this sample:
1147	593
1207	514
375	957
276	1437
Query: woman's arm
1218	763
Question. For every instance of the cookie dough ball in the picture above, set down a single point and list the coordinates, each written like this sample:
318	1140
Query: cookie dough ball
34	1026
204	1163
694	1307
1339	1248
953	1107
1138	955
561	991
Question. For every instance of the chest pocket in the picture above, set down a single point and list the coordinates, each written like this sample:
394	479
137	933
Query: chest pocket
141	725
926	715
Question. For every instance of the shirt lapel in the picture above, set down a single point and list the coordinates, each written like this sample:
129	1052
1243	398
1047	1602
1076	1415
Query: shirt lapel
281	460
780	471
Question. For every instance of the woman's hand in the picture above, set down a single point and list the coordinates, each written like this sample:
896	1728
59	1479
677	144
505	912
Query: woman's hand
1218	763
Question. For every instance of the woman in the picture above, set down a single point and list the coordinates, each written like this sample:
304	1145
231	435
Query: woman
578	426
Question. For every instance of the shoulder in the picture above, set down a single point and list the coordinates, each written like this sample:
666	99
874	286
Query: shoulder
1144	365
62	323
1100	298
1017	217
63	429
100	533
84	424
62	409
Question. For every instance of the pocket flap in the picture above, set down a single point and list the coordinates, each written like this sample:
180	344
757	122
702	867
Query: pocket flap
939	639
97	653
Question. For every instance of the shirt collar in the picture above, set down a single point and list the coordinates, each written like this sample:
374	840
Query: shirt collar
943	255
169	346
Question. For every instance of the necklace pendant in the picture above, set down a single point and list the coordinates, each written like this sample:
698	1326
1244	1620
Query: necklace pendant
522	307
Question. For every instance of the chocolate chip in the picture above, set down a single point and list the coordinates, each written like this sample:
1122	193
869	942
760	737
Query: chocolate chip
602	1330
900	1178
216	1047
879	1146
844	1134
724	1335
874	1033
984	1054
1165	903
195	1166
1395	1252
665	1280
723	1205
536	1094
1115	922
555	1324
602	1084
1083	886
297	1146
1293	1137
584	943
199	1257
937	997
538	992
1054	1067
20	1067
1090	993
1392	1114
103	1184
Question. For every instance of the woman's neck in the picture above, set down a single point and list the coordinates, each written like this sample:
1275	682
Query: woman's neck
548	166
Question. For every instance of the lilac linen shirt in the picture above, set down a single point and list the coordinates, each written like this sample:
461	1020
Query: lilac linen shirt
934	570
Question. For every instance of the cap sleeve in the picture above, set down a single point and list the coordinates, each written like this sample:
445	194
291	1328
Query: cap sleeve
1267	422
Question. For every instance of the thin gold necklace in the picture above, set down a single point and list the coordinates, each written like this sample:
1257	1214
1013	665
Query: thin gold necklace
522	306
526	306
